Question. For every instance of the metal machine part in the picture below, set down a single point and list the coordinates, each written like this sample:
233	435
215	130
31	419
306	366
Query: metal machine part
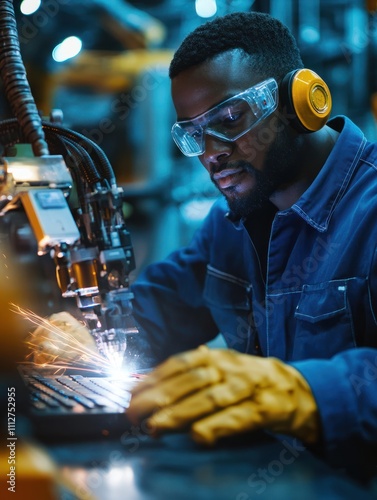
90	244
65	184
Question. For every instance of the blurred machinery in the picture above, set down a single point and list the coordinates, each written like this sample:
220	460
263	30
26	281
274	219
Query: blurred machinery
65	185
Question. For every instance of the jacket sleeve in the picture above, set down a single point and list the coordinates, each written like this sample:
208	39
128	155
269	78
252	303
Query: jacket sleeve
168	304
345	389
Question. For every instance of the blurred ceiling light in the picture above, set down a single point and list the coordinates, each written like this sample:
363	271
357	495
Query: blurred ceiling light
310	34
28	7
205	8
67	49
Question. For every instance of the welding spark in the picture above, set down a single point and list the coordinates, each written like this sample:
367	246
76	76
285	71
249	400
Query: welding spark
60	350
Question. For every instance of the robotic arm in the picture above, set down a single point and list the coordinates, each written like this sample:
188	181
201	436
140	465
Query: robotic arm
87	238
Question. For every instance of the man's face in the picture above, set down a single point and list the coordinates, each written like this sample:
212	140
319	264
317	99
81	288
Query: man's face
249	170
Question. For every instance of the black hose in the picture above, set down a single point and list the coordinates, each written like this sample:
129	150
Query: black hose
58	138
16	85
75	156
58	146
10	132
101	161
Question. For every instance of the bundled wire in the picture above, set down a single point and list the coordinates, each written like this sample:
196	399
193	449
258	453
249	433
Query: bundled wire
87	162
78	151
90	147
16	85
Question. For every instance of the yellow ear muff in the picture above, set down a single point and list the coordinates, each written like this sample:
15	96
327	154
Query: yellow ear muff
307	99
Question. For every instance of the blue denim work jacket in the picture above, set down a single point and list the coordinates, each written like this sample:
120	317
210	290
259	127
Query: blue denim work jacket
315	306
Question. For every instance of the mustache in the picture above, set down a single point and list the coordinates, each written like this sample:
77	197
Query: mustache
232	165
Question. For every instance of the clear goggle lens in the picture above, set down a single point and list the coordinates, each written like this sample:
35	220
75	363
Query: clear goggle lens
229	120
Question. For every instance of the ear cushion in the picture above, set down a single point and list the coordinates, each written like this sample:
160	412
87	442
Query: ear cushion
306	99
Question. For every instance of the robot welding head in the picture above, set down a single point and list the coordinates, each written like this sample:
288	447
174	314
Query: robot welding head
87	236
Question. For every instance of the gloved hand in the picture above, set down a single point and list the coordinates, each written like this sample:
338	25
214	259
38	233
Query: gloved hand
66	342
220	392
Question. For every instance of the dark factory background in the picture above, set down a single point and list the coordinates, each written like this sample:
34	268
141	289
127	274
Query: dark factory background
104	64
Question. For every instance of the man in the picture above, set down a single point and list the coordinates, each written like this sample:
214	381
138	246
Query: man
284	266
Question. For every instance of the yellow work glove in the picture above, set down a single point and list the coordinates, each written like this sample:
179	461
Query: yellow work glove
61	338
220	392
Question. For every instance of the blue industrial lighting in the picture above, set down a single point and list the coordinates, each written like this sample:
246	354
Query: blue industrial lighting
205	8
67	49
28	7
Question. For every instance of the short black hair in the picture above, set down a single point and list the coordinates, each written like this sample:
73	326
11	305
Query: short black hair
273	48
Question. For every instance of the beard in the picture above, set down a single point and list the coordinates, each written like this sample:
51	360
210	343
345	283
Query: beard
281	167
243	205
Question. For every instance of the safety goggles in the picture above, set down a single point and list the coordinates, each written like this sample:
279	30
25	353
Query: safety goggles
229	120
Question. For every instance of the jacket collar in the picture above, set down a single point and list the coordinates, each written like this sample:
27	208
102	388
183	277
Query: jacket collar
318	202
